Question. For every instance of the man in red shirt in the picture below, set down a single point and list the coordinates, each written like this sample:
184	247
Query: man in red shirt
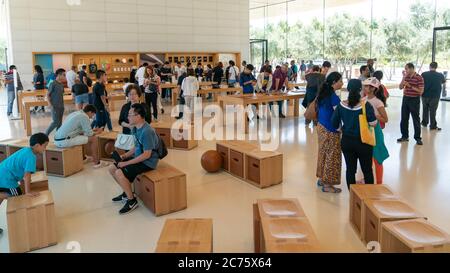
413	86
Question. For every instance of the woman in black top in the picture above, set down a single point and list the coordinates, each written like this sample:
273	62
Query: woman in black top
218	73
133	93
38	82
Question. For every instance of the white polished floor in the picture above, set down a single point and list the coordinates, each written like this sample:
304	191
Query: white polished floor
85	213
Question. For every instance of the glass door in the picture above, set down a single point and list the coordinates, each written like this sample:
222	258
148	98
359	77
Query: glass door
258	53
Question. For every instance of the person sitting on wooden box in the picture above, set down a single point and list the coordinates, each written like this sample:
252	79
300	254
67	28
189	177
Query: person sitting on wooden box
76	130
19	167
141	159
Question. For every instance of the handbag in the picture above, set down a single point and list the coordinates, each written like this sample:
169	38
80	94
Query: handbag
367	132
311	111
124	142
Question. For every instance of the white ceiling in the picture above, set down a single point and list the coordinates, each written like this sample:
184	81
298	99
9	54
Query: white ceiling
304	4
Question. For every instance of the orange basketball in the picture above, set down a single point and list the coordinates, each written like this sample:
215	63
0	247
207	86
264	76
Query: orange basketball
109	147
211	161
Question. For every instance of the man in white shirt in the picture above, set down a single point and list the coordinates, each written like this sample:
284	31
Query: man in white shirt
190	87
179	70
233	73
140	76
71	75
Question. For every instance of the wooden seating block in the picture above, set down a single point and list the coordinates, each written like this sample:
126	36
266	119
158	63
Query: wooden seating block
358	193
31	222
245	159
162	190
273	208
4	150
39	182
102	140
186	236
416	235
63	161
182	139
16	145
379	211
288	235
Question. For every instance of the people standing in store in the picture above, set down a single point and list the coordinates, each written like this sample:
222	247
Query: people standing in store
132	78
309	67
244	65
294	75
166	73
364	73
218	74
199	71
55	98
39	84
302	70
370	63
326	66
180	69
232	73
375	96
133	93
280	81
346	116
70	76
265	66
433	82
190	87
139	77
265	81
11	87
329	159
314	81
152	86
379	76
181	96
100	101
413	87
81	93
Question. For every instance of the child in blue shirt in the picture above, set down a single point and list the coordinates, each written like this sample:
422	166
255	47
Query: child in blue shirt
247	80
19	167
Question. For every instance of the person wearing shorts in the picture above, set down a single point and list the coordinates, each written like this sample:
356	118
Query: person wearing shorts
19	167
76	130
81	93
142	158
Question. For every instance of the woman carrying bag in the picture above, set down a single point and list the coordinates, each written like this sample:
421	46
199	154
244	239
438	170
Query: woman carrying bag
375	96
358	139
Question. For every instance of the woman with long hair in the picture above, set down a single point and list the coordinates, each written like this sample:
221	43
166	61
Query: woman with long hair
375	96
329	157
152	87
39	83
347	115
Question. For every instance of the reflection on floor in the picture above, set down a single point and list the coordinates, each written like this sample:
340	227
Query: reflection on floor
85	213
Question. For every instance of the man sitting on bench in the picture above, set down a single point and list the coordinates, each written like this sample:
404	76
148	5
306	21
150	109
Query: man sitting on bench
19	167
142	158
76	130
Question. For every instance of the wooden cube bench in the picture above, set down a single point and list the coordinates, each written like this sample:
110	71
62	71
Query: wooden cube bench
175	139
379	211
247	161
39	182
358	193
272	208
162	190
4	150
10	147
288	235
63	162
103	139
413	236
186	236
31	222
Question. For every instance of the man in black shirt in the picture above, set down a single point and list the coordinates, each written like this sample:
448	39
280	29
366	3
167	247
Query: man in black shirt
433	81
80	92
100	102
218	74
166	73
182	101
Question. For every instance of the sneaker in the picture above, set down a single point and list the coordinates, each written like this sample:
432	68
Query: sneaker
437	129
282	116
120	198
419	142
88	159
162	111
102	164
402	139
424	125
129	206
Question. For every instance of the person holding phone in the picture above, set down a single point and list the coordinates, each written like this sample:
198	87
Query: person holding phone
412	85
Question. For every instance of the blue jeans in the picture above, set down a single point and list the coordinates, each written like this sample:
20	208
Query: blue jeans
11	98
82	99
102	119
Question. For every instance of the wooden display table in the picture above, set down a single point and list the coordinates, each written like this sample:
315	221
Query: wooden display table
175	139
39	182
245	160
31	222
35	93
272	208
29	102
417	236
24	143
115	96
292	85
63	162
163	190
247	99
206	91
186	236
359	193
380	211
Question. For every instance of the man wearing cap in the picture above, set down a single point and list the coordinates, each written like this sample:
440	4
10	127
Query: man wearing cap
412	85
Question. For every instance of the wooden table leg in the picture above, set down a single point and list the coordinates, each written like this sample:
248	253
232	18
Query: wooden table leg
296	107
174	97
27	119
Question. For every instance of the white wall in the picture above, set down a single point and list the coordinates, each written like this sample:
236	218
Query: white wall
126	26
